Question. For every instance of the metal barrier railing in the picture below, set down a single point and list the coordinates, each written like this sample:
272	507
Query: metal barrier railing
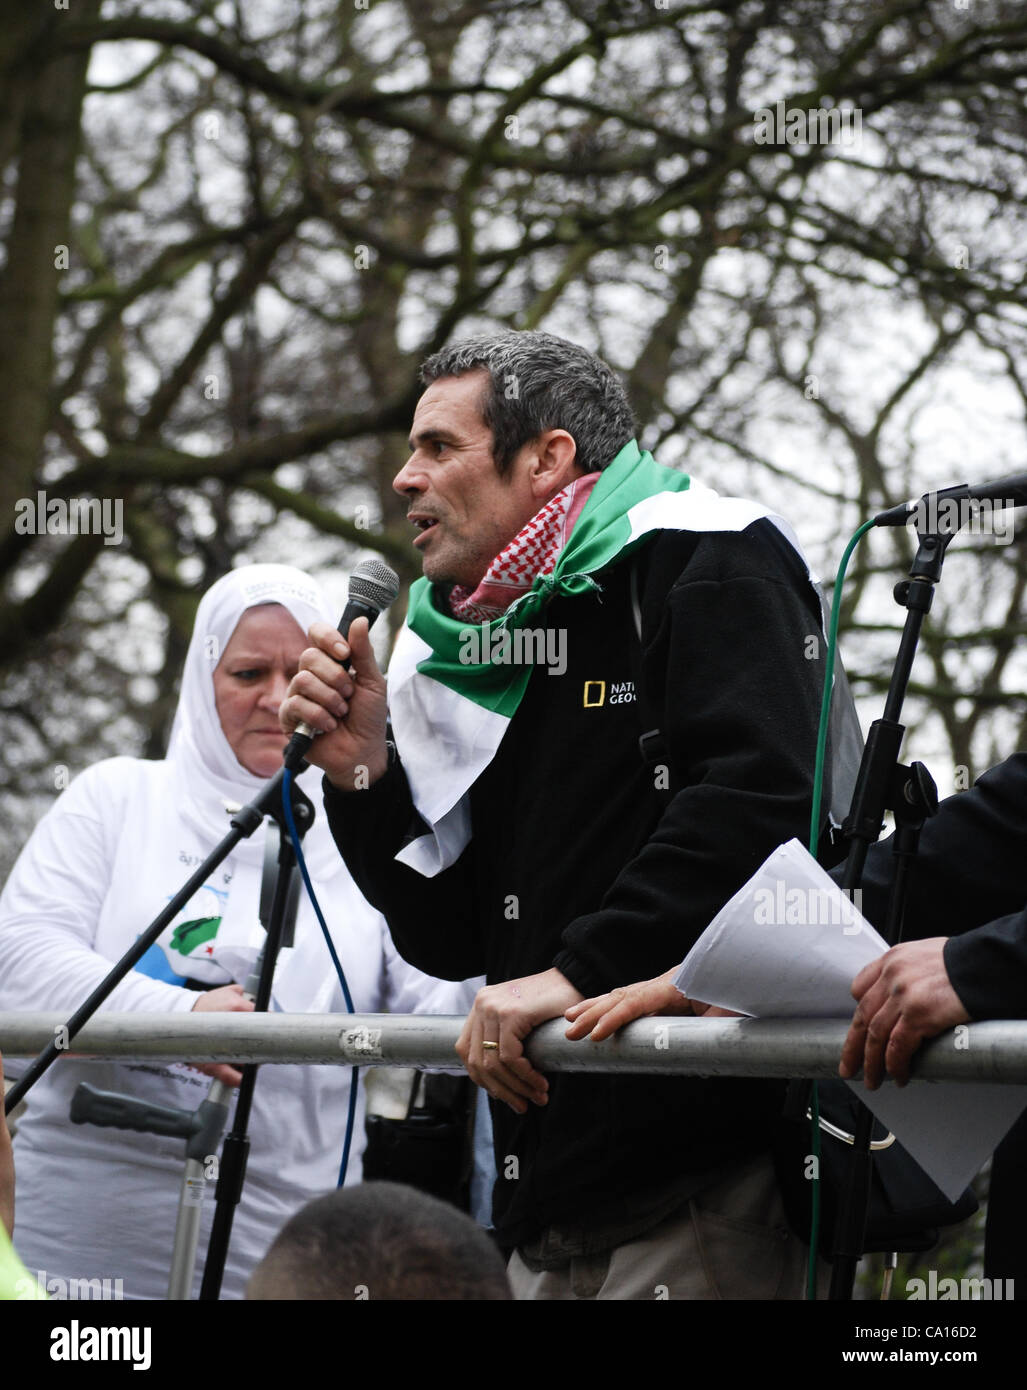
993	1051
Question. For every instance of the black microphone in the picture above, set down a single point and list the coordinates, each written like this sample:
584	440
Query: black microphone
372	587
1004	492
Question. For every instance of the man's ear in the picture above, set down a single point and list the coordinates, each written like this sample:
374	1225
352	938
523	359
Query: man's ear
553	464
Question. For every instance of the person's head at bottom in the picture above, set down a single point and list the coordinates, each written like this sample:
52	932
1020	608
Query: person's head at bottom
380	1240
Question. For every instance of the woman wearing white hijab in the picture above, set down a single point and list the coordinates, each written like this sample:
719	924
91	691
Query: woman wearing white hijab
98	1205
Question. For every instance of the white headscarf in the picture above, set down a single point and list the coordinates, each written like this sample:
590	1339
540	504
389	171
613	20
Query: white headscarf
208	774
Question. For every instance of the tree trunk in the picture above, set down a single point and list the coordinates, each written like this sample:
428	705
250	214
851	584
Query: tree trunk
46	148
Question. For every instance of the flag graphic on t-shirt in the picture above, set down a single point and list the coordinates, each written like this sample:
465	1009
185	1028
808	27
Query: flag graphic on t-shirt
186	951
188	937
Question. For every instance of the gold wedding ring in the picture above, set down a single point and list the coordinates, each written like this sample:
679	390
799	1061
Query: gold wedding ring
490	1047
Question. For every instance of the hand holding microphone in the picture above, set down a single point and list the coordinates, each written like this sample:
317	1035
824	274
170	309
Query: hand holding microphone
335	706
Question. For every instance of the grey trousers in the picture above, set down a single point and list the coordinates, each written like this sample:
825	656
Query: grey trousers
730	1241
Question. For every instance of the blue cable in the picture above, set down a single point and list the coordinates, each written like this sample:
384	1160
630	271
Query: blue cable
355	1078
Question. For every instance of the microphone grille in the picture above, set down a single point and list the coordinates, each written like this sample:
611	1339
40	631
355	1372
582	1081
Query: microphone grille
373	582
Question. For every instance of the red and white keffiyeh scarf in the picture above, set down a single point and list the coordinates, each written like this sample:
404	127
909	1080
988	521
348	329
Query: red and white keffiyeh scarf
533	551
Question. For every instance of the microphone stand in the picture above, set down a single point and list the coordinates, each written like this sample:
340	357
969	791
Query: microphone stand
883	784
243	823
236	1149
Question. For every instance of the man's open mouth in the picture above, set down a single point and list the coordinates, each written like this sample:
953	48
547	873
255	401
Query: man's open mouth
423	523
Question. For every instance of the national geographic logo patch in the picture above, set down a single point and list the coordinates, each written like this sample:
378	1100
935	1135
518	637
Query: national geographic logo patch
595	695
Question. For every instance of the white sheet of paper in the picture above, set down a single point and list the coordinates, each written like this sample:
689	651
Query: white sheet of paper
788	945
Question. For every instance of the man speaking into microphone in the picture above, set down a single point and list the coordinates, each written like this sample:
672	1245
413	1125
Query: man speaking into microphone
601	717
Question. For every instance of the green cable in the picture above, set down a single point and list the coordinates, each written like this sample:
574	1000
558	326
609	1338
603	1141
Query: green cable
825	703
814	844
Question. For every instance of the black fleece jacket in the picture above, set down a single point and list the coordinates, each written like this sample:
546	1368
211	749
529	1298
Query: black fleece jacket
579	859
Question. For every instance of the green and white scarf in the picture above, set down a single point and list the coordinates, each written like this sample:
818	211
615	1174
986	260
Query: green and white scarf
452	687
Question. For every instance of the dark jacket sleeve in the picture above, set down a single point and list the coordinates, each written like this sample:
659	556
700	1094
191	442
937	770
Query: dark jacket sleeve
431	920
733	662
969	882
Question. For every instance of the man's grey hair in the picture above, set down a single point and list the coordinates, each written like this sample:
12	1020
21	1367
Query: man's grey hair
540	382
